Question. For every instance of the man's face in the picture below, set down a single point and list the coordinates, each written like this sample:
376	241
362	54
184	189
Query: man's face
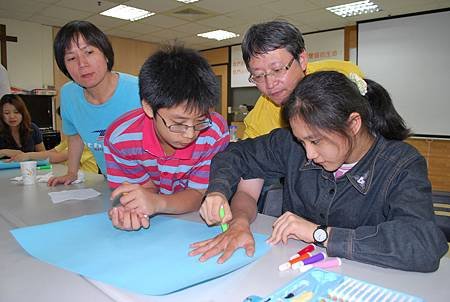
278	87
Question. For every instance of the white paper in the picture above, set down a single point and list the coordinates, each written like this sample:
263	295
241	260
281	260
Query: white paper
79	194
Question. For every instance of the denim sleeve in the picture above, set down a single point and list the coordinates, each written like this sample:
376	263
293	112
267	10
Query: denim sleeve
262	157
409	238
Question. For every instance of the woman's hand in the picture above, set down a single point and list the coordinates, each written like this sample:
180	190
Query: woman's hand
22	156
9	153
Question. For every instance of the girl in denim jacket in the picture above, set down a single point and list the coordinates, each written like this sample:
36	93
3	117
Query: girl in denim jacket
350	184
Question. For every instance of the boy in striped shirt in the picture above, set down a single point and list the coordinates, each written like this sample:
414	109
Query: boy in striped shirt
158	156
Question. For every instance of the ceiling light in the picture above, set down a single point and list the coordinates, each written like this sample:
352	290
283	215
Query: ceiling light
187	1
127	13
218	35
355	8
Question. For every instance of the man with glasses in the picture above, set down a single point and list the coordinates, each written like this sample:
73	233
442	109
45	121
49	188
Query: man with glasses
158	156
275	55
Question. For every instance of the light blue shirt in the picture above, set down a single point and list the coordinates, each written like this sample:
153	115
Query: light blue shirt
90	121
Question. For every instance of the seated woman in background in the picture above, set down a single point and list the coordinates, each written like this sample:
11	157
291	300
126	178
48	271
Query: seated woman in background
59	154
17	132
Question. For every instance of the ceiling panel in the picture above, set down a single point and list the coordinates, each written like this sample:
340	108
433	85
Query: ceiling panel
202	16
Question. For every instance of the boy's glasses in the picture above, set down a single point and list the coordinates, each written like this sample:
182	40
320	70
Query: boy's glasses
276	73
182	128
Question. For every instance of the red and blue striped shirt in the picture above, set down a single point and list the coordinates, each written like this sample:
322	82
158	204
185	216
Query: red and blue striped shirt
134	154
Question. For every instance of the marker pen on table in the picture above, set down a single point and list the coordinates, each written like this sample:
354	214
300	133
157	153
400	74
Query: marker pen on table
306	249
297	290
291	262
45	167
313	259
224	226
330	262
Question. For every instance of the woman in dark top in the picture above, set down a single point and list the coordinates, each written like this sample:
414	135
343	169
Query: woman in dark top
17	132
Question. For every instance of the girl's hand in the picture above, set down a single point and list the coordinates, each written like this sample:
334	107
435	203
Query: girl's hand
210	209
292	226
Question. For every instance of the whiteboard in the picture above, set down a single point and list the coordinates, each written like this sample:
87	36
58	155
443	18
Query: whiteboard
410	57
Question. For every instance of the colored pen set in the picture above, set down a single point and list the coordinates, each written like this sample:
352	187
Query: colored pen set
303	260
317	285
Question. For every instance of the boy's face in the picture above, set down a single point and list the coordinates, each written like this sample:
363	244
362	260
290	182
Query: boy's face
165	120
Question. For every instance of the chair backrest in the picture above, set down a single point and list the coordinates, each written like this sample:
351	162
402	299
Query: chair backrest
441	204
273	201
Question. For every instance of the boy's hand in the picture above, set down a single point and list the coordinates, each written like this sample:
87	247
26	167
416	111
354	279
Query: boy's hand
237	236
128	220
137	198
210	208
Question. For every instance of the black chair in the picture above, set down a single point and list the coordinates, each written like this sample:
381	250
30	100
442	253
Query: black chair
270	203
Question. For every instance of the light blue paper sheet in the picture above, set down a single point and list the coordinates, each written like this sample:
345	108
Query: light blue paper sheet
152	262
16	164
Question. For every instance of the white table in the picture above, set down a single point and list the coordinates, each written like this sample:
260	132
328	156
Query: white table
23	278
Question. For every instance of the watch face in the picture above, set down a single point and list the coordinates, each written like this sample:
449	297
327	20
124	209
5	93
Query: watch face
320	235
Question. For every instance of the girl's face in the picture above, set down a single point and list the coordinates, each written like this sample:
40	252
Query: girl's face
86	64
11	116
329	150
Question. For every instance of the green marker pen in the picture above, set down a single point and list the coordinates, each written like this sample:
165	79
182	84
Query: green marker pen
224	226
46	167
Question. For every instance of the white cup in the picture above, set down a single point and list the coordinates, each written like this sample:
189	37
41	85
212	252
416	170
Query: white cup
28	170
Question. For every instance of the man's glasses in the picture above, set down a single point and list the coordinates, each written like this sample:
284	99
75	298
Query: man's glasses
182	128
276	73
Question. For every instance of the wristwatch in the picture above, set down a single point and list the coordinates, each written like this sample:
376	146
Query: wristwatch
320	235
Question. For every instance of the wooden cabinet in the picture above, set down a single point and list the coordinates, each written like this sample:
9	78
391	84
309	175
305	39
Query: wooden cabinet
437	154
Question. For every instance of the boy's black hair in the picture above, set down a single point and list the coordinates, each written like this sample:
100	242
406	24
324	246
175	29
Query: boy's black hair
264	37
71	32
175	75
326	99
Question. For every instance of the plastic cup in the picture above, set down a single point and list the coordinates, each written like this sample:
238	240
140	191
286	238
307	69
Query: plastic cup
28	170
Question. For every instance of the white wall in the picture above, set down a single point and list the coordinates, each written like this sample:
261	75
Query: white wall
30	60
327	45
